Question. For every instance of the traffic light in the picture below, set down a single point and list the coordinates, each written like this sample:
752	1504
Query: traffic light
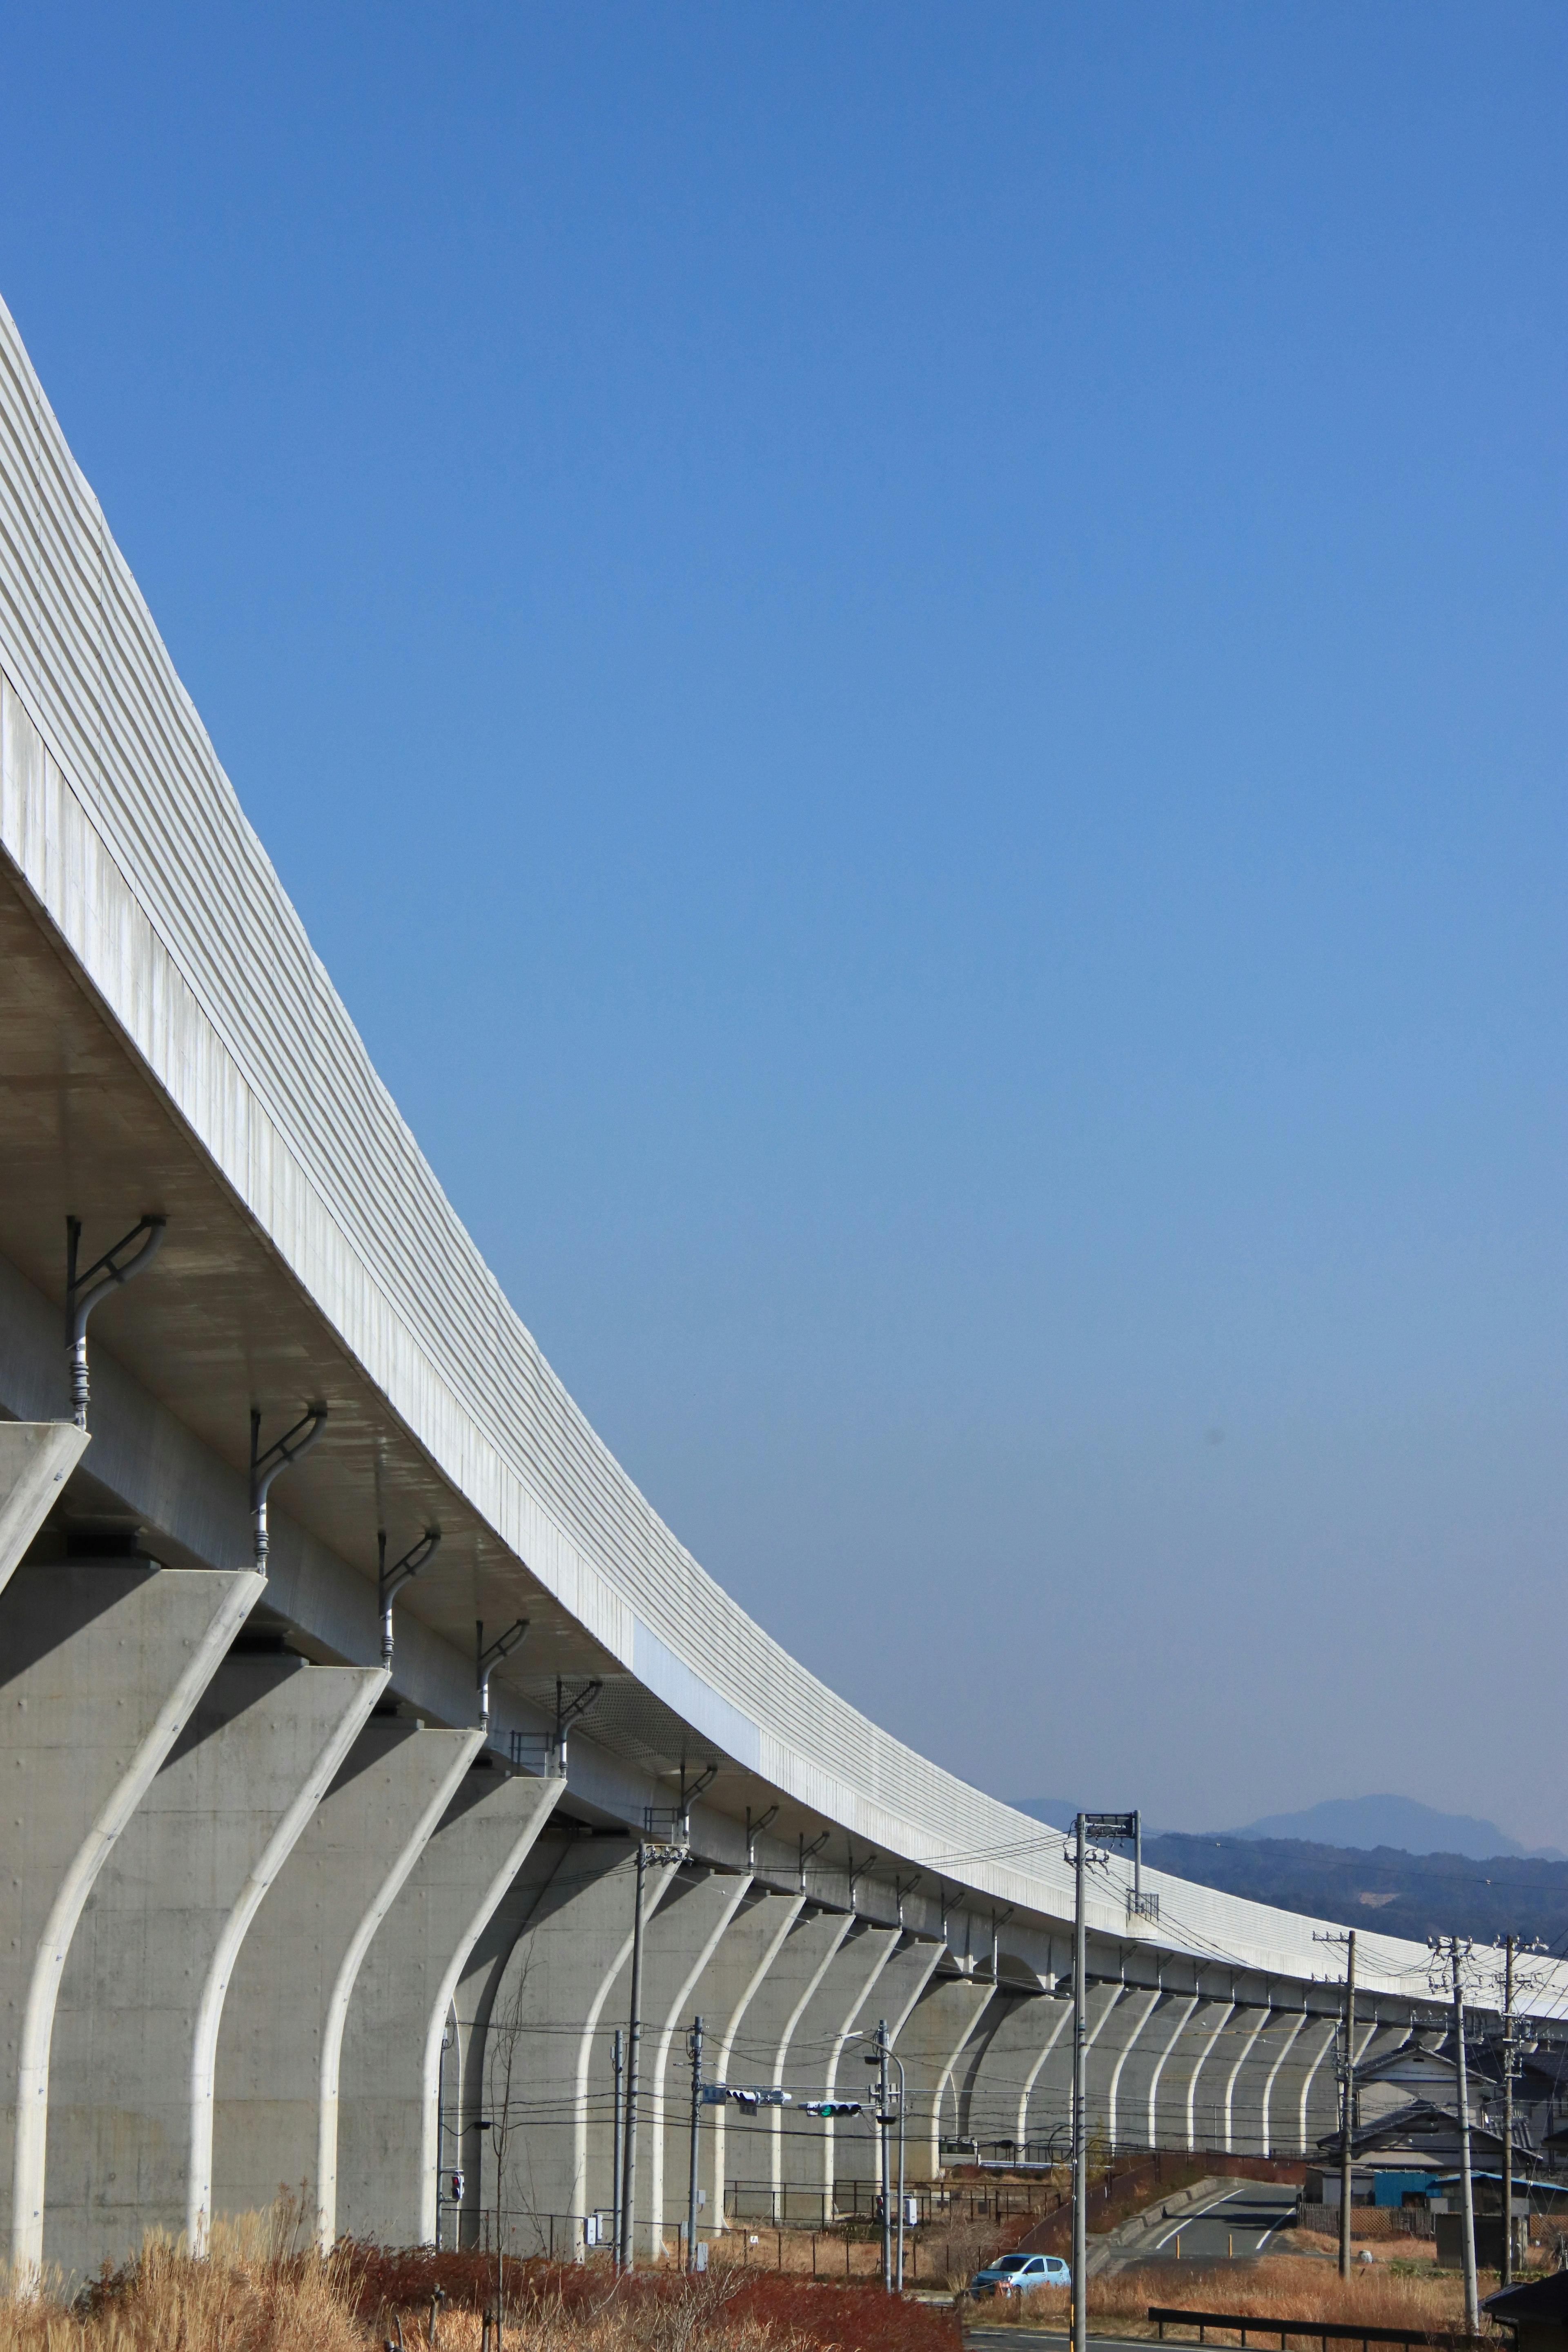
828	2107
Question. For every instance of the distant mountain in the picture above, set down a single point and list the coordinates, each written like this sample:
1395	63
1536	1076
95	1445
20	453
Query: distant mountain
1364	1823
1384	1892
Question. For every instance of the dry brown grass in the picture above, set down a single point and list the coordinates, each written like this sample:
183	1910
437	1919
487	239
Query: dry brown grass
1281	2287
257	2292
261	2290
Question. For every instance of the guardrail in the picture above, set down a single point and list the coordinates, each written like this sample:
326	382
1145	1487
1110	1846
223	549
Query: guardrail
1314	2331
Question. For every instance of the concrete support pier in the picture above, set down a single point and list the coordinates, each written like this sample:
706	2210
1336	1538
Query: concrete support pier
102	1667
136	2025
37	1457
280	2041
686	1933
556	2002
723	1994
388	2123
931	2045
777	2008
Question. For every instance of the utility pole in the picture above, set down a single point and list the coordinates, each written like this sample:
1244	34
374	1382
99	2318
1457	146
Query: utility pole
1079	2079
1347	2096
882	2136
693	2044
618	2063
1127	1827
634	2036
1510	2061
1347	2116
1456	1950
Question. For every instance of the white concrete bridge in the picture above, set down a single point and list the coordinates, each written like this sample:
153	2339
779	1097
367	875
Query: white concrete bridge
277	1910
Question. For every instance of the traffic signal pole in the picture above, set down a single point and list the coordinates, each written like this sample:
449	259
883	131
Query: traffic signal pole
694	2044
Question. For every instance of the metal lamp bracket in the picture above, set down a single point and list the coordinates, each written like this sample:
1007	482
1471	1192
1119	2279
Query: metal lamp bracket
486	1660
292	1447
83	1292
390	1581
754	1829
808	1852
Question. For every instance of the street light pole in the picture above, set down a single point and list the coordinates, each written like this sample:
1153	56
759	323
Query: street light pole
882	2140
882	2055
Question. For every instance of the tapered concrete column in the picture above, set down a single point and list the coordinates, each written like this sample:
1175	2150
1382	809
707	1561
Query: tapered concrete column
723	1995
1282	2040
558	1998
1050	2093
101	1666
1245	2035
280	2041
136	2024
465	2070
781	1999
1294	2085
1140	2084
803	2148
388	2158
37	1457
852	2153
1124	2031
685	1935
1249	2090
1179	2112
1000	2063
934	2035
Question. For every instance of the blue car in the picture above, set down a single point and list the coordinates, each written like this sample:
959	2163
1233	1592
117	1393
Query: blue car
1020	2274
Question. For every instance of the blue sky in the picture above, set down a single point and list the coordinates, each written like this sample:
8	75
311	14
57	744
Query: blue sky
908	664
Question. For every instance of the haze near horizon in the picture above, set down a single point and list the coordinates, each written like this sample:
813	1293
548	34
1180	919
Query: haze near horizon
908	667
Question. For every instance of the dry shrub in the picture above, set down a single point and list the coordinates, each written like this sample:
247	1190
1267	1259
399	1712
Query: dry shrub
256	2292
261	2290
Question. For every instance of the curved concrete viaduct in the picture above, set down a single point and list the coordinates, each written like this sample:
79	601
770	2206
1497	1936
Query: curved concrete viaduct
289	1907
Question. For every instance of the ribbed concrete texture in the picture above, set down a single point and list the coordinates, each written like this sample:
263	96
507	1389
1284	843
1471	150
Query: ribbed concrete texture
389	2080
37	1457
136	2024
275	2127
102	1667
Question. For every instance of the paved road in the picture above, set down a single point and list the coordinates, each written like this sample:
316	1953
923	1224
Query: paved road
1237	2225
1014	2339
